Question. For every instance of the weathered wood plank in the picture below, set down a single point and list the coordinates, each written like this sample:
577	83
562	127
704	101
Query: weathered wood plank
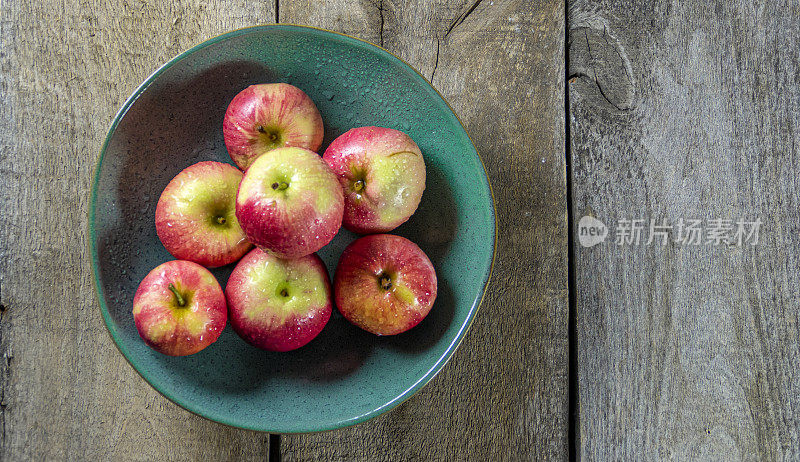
503	396
65	69
687	110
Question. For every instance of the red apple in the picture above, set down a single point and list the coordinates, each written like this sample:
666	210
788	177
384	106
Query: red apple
268	116
179	308
196	215
383	176
276	304
384	284
289	203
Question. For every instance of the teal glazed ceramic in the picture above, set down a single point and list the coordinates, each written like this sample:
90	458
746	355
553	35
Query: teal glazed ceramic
345	375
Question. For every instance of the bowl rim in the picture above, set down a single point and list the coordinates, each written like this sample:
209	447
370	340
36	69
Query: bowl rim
93	256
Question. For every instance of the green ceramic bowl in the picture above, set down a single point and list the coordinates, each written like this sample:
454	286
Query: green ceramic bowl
345	375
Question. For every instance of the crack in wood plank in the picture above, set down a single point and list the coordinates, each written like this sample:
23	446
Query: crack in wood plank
436	61
460	19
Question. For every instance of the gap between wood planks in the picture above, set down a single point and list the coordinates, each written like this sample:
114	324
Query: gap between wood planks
572	317
274	448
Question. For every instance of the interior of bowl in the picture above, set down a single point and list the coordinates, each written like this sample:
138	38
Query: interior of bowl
345	375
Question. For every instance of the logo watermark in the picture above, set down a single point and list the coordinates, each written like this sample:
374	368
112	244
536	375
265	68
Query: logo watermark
591	231
717	231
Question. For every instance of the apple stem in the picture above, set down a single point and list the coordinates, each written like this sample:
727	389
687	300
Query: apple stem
358	185
386	282
178	296
280	186
272	135
221	220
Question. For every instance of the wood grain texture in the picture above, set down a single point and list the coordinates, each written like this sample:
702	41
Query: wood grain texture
687	110
503	396
65	69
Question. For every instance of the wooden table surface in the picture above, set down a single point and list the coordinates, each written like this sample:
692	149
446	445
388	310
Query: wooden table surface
637	113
